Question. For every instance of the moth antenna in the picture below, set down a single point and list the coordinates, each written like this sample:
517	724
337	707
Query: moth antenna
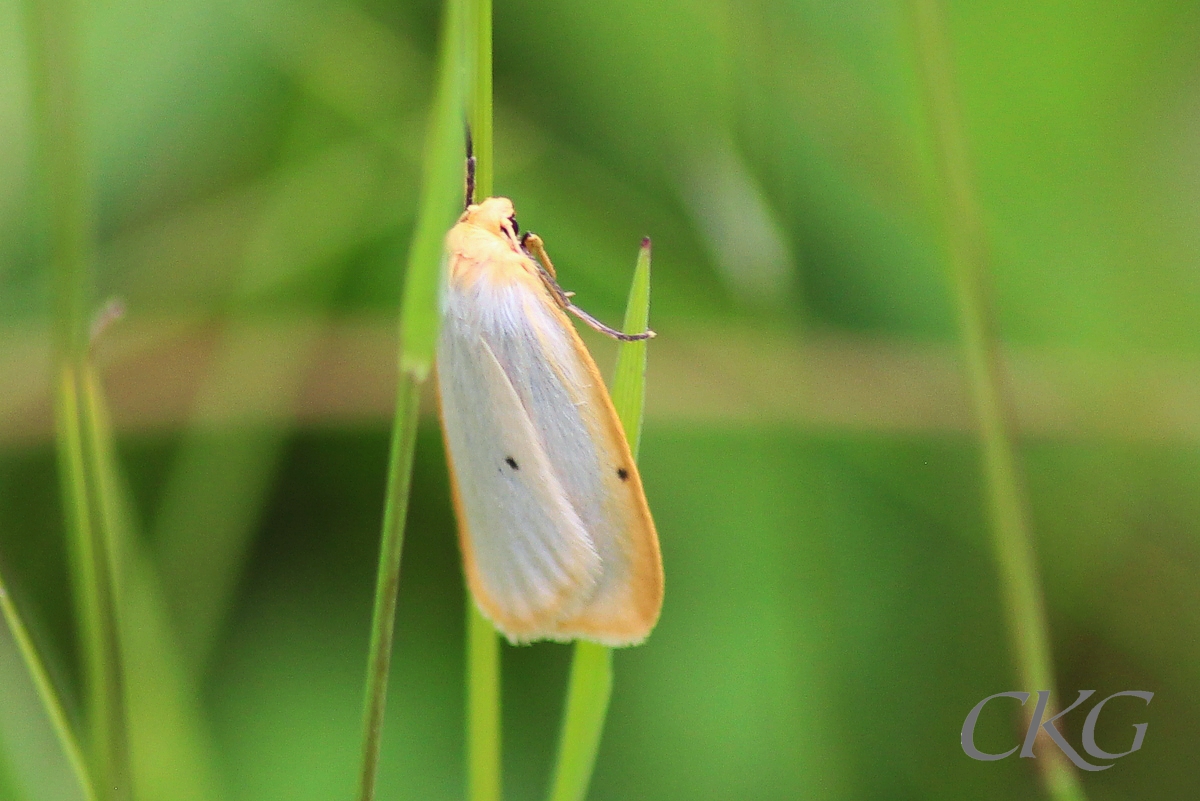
470	193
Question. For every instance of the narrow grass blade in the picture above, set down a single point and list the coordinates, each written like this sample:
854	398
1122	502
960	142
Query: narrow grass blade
53	46
967	251
152	738
387	584
93	568
483	708
98	568
483	735
93	504
47	694
629	380
440	204
54	66
169	753
589	686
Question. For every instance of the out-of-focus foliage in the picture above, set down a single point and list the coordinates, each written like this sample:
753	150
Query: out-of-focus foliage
832	610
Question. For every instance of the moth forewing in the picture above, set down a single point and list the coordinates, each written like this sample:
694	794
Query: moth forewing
530	554
559	543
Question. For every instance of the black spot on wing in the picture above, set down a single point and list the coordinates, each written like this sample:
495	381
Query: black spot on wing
512	463
622	473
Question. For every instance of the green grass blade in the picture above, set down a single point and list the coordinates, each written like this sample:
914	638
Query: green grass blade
629	379
55	73
483	708
440	204
54	53
589	686
100	567
169	753
387	585
47	694
93	571
967	251
483	735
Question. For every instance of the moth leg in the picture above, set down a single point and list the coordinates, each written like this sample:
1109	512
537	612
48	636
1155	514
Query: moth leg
606	330
537	250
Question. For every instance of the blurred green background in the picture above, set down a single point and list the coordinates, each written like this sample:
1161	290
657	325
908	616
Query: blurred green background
832	608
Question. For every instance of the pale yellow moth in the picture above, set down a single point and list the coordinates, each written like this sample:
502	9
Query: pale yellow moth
556	537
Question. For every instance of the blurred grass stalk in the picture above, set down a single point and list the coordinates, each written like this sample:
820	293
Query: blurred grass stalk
483	735
46	694
967	250
589	686
439	205
55	70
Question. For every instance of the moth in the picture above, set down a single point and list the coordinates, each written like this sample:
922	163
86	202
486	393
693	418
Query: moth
556	536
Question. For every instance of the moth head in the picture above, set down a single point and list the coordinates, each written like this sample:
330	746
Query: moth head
495	214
